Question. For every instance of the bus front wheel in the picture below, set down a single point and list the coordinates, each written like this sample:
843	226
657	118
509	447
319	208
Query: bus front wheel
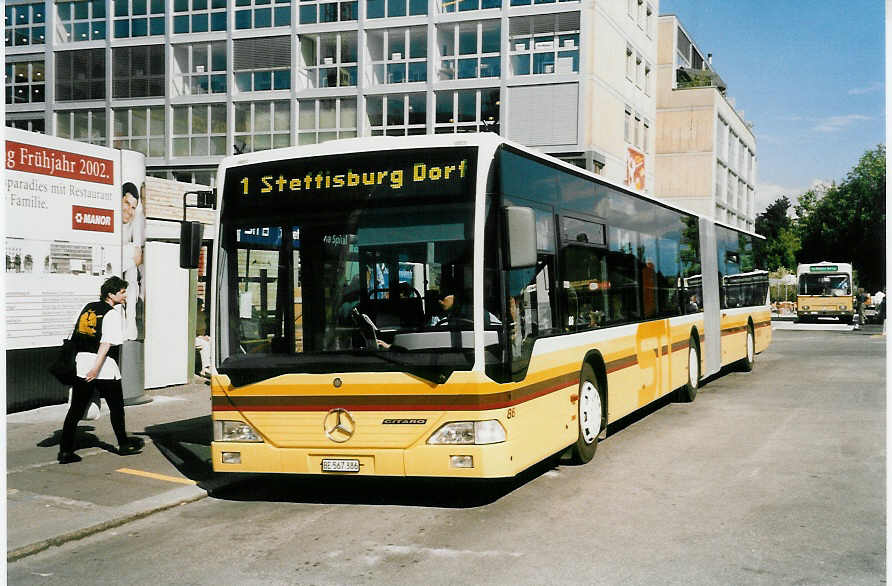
590	415
688	393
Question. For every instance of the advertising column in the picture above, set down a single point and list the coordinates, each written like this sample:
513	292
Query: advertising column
133	242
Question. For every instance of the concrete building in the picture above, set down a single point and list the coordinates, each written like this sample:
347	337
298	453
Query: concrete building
189	81
705	149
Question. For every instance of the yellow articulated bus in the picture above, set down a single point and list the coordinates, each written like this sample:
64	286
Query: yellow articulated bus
825	290
456	306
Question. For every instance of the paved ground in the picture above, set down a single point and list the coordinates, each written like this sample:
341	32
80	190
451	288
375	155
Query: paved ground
49	504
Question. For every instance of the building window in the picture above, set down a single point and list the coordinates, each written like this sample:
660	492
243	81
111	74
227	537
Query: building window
138	72
326	119
544	44
262	14
630	63
641	14
645	137
139	129
328	59
638	131
720	173
80	75
199	69
199	130
80	21
469	50
528	2
312	11
262	64
389	8
684	49
398	55
199	16
639	72
396	114
206	177
627	125
731	183
138	18
83	125
261	126
25	82
29	124
464	5
467	111
648	79
650	21
25	25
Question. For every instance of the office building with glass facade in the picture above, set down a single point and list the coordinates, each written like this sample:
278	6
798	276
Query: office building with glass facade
188	82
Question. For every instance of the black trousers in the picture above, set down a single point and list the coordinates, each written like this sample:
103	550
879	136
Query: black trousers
81	393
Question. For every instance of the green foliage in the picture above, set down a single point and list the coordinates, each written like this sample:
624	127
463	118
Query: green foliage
848	222
781	242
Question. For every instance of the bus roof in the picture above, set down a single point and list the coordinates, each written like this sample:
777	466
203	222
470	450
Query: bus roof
481	139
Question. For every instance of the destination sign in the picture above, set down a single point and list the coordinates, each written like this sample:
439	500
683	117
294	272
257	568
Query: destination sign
824	269
333	180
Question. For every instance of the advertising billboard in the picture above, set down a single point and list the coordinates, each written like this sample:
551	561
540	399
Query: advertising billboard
64	232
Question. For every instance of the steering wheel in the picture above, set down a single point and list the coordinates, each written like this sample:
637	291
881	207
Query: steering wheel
413	293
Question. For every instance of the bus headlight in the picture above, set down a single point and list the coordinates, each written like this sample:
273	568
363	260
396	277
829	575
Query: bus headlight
469	433
234	431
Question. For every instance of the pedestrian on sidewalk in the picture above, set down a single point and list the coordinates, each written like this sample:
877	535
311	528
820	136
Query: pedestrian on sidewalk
203	340
99	333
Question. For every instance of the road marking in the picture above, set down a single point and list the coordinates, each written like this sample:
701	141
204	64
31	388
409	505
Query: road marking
157	476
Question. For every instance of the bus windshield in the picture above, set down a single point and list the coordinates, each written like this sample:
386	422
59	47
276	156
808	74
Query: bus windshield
824	285
358	284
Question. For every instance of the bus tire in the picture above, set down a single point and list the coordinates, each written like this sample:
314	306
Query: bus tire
688	392
749	358
590	415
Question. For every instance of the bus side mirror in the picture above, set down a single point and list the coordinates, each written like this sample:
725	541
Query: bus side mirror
520	225
190	244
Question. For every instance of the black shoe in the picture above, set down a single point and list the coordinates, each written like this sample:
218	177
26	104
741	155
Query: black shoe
133	446
68	458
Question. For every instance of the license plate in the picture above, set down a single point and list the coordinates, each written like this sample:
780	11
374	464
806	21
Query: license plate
330	465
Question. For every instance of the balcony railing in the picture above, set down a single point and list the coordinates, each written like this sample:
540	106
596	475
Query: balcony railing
686	77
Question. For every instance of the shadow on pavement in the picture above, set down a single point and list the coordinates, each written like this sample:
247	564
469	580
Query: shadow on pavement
363	490
84	438
187	445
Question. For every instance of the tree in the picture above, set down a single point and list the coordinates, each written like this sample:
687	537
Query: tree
848	222
781	242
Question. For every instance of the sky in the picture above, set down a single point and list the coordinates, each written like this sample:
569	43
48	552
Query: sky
808	75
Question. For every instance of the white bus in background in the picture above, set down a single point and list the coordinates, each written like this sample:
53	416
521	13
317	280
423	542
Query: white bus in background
825	290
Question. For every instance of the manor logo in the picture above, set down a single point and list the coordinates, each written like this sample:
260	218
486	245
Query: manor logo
92	219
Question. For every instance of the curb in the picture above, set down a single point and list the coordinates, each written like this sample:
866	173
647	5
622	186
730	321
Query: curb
45	544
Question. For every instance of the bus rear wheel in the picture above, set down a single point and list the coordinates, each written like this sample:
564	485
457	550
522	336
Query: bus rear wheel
746	363
688	392
590	415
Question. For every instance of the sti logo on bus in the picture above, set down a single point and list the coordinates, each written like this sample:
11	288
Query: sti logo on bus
824	269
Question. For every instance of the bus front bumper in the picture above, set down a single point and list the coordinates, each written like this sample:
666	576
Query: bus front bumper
463	461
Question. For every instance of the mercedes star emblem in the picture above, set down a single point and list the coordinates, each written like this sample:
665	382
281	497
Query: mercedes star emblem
338	425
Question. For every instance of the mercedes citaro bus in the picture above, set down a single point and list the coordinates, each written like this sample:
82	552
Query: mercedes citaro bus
456	306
